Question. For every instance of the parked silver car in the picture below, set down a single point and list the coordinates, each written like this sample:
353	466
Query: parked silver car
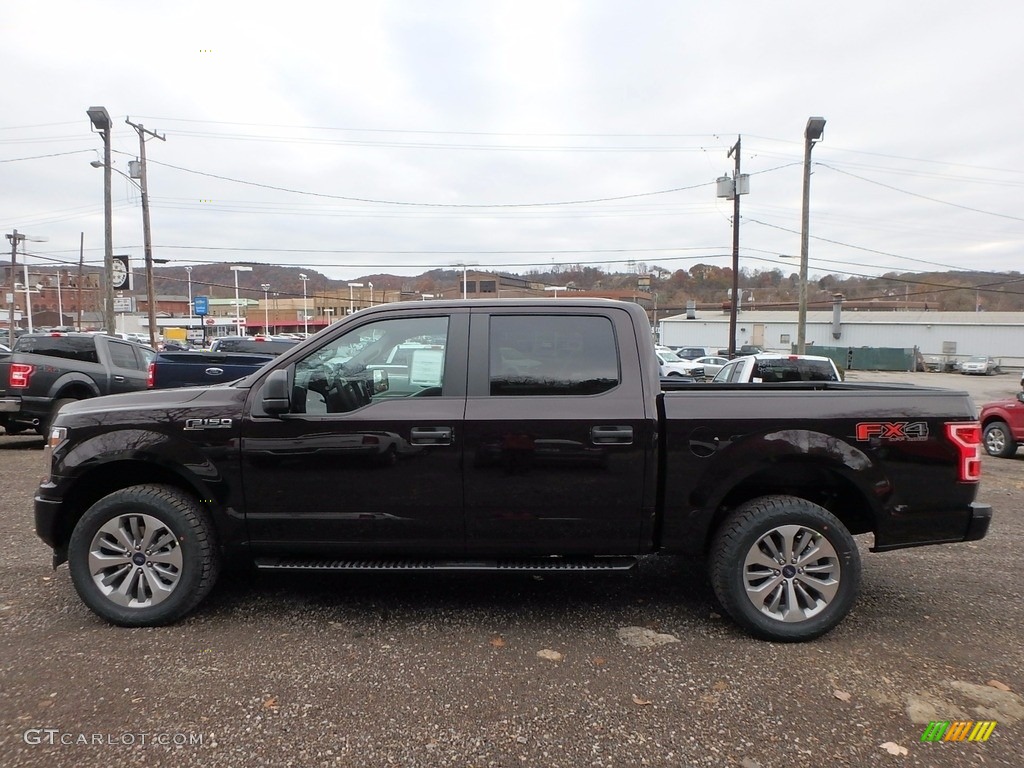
979	364
712	364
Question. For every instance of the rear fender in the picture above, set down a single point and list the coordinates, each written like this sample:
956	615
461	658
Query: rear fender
819	467
73	384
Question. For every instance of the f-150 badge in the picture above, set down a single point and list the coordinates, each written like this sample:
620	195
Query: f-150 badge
208	423
892	430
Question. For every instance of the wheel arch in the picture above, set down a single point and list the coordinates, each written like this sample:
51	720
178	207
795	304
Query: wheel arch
102	479
828	486
75	386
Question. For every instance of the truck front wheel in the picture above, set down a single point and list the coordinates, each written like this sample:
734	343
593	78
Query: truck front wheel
143	556
785	569
999	440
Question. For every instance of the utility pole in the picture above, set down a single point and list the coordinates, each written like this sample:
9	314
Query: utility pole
812	133
735	246
81	266
147	238
15	238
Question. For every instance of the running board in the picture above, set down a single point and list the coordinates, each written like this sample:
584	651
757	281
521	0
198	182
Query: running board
522	565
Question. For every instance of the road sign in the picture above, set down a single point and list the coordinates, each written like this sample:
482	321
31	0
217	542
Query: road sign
124	304
201	305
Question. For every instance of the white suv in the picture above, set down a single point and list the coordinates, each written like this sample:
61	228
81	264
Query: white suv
771	368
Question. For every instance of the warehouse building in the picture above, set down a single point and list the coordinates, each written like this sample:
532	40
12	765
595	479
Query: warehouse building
953	336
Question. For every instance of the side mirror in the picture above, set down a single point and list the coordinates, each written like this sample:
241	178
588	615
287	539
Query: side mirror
275	395
1020	397
380	381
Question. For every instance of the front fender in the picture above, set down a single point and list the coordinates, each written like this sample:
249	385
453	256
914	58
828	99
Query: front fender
201	468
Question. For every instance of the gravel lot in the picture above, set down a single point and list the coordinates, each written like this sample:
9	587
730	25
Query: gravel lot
414	670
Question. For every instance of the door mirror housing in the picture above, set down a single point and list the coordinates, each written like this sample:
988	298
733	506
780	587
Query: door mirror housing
276	394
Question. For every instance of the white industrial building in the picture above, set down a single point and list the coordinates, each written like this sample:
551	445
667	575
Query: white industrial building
951	335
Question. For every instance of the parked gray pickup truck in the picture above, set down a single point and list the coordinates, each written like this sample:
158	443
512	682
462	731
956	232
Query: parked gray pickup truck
45	371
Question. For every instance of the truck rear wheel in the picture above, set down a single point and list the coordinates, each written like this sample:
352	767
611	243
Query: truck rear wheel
785	569
143	556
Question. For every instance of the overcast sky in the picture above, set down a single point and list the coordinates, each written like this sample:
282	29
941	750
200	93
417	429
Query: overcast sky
364	137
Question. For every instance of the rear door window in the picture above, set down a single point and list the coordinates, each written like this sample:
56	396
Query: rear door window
123	355
552	355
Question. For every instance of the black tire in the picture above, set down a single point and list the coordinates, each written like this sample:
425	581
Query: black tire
137	587
816	592
998	440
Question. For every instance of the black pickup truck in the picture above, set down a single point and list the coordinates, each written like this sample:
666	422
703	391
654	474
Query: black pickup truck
45	371
515	435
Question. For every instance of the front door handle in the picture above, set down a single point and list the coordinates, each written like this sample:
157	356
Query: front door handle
617	435
430	436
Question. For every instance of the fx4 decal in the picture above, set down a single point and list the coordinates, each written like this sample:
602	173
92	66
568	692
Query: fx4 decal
892	430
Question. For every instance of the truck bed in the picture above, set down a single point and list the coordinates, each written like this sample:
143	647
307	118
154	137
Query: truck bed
193	369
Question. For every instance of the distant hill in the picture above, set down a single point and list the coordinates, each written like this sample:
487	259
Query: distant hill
702	283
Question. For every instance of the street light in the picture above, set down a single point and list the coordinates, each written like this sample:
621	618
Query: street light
350	287
100	119
238	316
329	311
266	307
305	313
812	133
147	244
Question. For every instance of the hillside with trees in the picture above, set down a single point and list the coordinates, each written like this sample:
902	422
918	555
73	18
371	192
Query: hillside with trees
705	284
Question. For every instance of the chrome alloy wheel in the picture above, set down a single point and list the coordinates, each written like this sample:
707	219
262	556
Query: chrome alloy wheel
135	560
791	573
995	441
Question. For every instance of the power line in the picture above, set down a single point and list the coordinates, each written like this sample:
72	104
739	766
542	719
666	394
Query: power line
855	247
923	197
40	157
428	205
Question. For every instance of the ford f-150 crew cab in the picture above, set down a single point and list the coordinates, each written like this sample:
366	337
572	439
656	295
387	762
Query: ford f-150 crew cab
528	435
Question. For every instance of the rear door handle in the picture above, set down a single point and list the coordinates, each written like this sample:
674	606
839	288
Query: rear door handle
430	436
611	434
119	378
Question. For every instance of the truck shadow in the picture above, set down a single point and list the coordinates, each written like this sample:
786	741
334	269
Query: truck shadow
661	591
31	442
